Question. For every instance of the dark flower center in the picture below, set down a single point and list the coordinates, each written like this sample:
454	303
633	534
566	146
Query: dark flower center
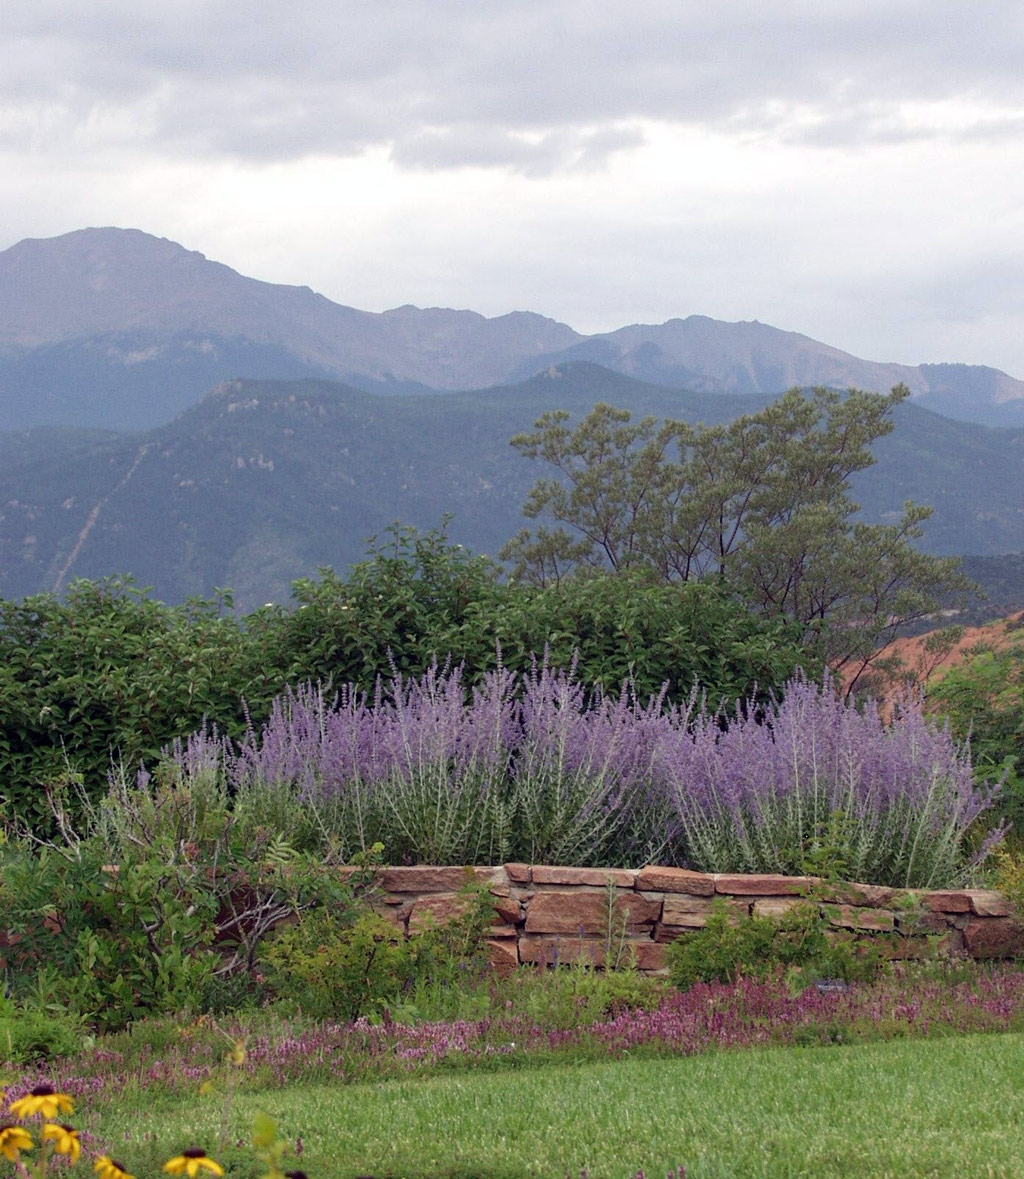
42	1091
193	1152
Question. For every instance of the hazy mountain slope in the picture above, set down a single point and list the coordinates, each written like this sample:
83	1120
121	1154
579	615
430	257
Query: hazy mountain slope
115	328
710	356
118	312
264	481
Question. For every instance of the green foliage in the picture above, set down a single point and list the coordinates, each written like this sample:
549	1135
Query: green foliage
731	945
166	891
28	1034
983	699
329	968
575	995
761	503
399	609
106	674
1010	878
424	598
101	940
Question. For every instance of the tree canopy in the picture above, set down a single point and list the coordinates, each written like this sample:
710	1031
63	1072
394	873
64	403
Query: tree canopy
762	505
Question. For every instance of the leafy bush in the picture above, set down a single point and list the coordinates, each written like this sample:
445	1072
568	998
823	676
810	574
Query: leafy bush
163	892
330	969
28	1035
983	700
420	599
576	995
107	674
731	945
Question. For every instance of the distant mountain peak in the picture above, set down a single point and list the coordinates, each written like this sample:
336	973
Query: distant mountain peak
79	310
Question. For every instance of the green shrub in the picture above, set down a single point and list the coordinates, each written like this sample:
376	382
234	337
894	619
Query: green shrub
331	969
732	945
983	699
575	995
163	893
27	1035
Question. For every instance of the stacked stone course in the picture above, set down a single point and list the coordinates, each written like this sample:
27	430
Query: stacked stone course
546	915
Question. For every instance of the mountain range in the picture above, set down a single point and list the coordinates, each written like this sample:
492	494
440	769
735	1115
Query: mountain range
264	481
117	329
163	416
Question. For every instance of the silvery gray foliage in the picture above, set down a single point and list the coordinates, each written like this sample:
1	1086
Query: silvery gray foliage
540	769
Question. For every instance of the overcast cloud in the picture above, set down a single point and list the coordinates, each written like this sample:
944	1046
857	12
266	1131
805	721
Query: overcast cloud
851	170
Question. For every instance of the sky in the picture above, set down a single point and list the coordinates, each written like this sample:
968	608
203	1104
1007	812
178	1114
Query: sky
849	169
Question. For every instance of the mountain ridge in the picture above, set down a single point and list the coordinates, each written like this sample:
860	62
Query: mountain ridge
263	482
115	328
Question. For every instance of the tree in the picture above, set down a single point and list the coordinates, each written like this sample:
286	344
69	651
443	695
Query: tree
761	505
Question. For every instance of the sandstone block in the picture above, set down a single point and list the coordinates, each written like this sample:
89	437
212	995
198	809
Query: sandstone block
437	909
648	955
687	910
908	949
440	908
868	896
994	937
508	909
423	878
915	923
953	901
656	879
681	914
985	903
776	907
518	873
620	877
763	885
503	955
587	912
555	951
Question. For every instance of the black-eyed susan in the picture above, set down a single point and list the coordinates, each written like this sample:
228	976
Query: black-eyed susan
64	1139
107	1168
190	1162
43	1100
13	1140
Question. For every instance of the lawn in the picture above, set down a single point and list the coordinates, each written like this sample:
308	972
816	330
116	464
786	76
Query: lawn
945	1107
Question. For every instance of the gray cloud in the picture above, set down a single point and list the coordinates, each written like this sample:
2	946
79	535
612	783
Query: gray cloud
529	85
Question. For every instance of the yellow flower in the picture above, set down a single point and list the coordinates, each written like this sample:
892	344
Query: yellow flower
14	1139
64	1139
191	1162
106	1168
43	1100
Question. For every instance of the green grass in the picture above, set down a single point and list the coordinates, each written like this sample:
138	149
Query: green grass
948	1107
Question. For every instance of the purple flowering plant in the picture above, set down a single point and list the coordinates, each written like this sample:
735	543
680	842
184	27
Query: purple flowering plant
540	769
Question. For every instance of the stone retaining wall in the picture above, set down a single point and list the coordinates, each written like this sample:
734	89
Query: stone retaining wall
545	915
